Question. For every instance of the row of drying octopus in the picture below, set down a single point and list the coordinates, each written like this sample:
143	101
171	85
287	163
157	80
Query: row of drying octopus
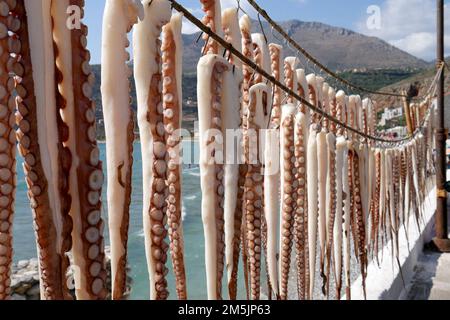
330	185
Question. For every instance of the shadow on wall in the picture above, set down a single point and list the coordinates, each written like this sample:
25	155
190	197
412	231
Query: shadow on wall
417	284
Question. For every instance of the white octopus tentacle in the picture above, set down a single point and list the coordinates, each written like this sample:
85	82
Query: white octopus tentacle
119	18
148	78
232	120
313	180
172	56
288	194
272	171
210	72
322	172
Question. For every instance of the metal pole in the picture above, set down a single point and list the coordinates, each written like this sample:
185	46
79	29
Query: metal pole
441	241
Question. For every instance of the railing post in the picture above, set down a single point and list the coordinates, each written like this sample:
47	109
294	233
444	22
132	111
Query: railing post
441	241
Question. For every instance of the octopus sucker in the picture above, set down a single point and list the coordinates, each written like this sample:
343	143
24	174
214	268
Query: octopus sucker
211	73
172	51
8	166
45	166
152	129
232	120
288	188
85	175
119	17
257	120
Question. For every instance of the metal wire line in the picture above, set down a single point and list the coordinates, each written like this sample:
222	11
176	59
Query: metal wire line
292	42
228	46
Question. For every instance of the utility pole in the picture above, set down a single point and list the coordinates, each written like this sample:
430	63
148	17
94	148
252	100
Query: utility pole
441	241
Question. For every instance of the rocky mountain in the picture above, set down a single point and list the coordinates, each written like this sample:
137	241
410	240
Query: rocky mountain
337	48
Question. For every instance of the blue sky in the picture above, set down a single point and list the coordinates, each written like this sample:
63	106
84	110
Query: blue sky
407	24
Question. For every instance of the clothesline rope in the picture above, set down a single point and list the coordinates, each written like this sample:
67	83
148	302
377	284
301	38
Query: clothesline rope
309	57
229	47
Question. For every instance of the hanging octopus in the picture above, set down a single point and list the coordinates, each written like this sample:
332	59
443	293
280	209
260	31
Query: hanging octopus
342	194
301	215
288	172
149	81
233	217
62	166
7	141
288	193
247	51
213	85
331	185
272	170
257	119
172	54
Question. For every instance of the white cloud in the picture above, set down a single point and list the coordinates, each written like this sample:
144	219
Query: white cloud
409	25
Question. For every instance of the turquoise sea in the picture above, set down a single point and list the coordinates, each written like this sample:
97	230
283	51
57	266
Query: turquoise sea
24	239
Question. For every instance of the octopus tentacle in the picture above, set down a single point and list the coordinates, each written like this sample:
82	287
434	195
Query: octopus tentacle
257	119
7	149
359	219
212	19
331	198
272	173
232	120
148	78
247	51
45	166
119	18
75	87
288	194
300	216
172	52
211	69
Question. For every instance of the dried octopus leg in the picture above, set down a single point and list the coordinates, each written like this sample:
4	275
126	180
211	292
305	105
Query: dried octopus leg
40	134
376	204
272	173
257	119
341	197
347	195
300	216
233	217
210	72
261	56
7	146
119	18
231	122
172	54
288	194
359	220
322	158
331	184
212	19
247	51
312	186
148	78
86	177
